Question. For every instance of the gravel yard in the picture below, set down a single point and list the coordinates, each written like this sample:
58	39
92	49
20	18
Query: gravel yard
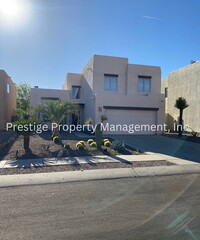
41	146
4	136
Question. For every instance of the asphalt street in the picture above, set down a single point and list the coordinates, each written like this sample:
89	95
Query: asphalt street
164	207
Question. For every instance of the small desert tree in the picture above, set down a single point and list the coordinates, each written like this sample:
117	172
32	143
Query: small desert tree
181	104
25	128
23	101
56	111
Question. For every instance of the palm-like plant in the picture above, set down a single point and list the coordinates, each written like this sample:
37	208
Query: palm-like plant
56	111
27	130
181	104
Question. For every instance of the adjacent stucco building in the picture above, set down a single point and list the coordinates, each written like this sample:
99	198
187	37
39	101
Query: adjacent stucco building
39	95
125	93
184	82
7	99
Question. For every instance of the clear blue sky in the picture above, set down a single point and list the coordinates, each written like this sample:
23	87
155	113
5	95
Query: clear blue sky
60	36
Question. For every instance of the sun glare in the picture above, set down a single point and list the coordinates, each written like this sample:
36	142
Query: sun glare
12	12
10	8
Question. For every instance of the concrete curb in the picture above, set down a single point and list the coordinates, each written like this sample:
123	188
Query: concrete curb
98	174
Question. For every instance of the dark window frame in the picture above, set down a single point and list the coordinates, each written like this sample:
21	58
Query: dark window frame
143	78
110	88
79	92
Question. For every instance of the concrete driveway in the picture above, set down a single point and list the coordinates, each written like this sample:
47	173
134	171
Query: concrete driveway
165	145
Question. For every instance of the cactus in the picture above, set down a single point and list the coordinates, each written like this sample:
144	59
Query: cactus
98	135
66	146
93	144
89	141
82	142
107	143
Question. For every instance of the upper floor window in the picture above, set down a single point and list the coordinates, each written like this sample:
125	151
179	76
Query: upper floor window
144	84
76	92
110	82
8	88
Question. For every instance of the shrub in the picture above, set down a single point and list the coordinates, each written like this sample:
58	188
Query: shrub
79	146
113	152
93	144
82	142
103	118
88	121
117	146
66	146
89	141
56	139
107	143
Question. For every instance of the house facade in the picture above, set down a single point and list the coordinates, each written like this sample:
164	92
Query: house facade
184	82
7	99
125	93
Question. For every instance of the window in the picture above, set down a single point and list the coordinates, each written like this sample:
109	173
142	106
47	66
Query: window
76	92
110	82
166	92
8	88
144	84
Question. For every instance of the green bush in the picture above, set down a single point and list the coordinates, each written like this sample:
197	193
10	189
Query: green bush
107	143
79	146
113	152
93	144
56	139
89	141
66	146
88	121
103	118
117	145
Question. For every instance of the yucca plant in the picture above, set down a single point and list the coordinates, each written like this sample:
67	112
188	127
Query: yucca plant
181	104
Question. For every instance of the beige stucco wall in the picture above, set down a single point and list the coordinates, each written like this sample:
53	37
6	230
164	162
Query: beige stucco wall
72	79
127	93
184	82
38	93
85	80
7	100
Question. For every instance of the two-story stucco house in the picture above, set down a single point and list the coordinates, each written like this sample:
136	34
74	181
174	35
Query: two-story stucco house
125	93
